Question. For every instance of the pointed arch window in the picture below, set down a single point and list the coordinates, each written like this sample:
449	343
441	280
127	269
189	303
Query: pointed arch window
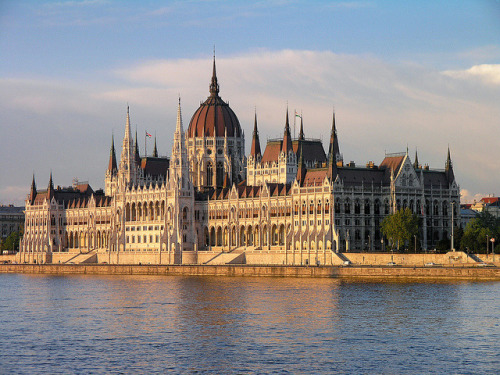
220	173
210	174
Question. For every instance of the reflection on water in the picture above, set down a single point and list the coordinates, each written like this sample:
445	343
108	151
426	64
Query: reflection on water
142	324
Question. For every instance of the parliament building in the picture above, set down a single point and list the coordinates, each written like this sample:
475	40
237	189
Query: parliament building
211	203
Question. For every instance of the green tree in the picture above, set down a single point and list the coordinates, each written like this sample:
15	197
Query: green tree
400	227
478	230
12	241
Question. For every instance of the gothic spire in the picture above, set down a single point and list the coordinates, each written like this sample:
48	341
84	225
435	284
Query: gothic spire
155	150
334	150
448	160
128	162
178	125
112	167
301	171
214	86
32	190
255	150
50	188
287	138
301	133
415	163
449	168
136	149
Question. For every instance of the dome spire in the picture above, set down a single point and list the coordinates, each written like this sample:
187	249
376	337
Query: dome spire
214	86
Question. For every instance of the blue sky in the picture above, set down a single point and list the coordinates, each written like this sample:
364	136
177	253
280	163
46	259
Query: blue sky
419	73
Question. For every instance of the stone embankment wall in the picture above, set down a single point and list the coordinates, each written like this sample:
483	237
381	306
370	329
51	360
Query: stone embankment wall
362	273
260	257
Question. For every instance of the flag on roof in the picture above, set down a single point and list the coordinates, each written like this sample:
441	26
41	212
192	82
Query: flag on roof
297	115
148	135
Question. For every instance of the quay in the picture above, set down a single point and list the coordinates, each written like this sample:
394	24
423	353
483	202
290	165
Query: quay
375	273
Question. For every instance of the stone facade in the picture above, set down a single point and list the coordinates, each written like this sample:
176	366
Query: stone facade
209	204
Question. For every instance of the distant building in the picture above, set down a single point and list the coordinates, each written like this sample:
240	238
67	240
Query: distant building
466	215
488	204
11	220
294	203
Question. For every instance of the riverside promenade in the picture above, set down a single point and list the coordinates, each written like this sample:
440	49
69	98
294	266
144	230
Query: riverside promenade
375	273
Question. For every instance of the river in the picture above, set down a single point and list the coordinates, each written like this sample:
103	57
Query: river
244	325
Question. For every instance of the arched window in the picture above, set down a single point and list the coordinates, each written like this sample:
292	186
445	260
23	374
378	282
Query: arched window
220	173
347	206
357	207
210	174
367	207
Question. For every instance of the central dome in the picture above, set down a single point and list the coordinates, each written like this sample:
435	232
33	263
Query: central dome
214	117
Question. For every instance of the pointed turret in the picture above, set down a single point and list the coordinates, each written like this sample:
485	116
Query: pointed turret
32	194
155	150
179	166
334	151
287	138
255	149
301	171
112	166
214	85
449	168
128	164
136	150
415	163
50	188
301	133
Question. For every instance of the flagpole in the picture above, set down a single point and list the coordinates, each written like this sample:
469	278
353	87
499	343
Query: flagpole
145	143
294	117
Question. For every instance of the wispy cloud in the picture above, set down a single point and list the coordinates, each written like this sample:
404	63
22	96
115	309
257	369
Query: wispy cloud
379	107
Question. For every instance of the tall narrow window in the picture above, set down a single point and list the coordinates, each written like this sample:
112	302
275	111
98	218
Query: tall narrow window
210	174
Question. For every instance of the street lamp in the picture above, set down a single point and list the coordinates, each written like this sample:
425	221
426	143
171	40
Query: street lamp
452	224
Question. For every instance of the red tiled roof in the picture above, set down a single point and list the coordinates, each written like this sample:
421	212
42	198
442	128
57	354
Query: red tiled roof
489	200
272	152
315	177
392	162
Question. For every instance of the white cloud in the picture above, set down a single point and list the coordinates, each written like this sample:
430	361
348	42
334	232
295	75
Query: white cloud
486	73
471	197
379	106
